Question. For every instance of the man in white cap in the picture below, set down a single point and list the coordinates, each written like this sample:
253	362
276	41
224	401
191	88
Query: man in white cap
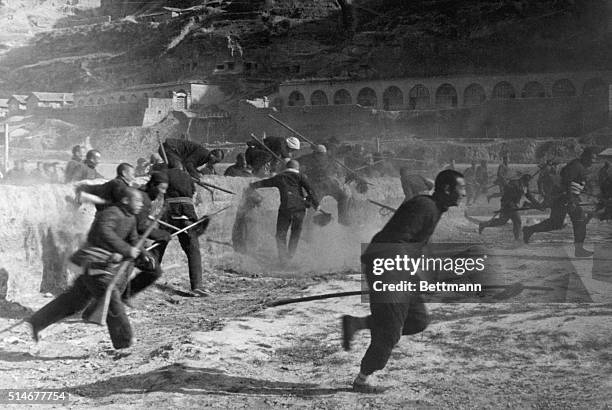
282	147
322	174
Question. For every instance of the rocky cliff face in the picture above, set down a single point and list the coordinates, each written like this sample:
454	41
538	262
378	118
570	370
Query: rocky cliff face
289	38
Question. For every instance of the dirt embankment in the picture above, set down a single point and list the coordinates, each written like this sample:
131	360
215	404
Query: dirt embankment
42	229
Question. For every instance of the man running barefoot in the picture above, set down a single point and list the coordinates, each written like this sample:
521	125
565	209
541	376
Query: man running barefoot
400	313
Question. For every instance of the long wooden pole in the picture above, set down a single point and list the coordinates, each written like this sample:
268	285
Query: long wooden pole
6	147
264	146
98	316
204	185
282	302
313	144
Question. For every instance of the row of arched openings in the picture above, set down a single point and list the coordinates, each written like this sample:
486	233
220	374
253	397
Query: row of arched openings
446	95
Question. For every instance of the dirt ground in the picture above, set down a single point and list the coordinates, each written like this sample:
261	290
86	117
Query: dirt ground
230	351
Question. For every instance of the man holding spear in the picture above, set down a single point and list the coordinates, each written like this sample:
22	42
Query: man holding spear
513	192
181	212
110	241
189	154
566	201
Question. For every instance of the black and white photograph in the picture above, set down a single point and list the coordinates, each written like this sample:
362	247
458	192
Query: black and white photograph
327	204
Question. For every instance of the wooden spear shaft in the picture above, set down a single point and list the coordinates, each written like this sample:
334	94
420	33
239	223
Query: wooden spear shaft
312	143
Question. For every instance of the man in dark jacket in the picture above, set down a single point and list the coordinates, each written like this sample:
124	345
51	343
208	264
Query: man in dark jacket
153	201
110	240
74	167
566	200
112	190
510	202
92	160
502	176
399	313
239	169
258	157
322	173
189	154
293	203
181	213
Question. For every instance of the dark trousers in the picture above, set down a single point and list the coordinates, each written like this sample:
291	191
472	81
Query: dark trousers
332	188
85	289
288	219
502	219
558	209
191	246
404	314
150	271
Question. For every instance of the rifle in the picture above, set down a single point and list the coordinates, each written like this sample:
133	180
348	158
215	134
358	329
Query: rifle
313	144
98	316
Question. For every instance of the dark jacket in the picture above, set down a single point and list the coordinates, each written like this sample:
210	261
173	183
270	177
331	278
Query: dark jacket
413	222
110	191
143	221
318	167
290	185
191	154
236	171
256	156
574	171
180	185
513	193
278	145
114	229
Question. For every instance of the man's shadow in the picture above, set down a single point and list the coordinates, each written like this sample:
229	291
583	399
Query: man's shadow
179	378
